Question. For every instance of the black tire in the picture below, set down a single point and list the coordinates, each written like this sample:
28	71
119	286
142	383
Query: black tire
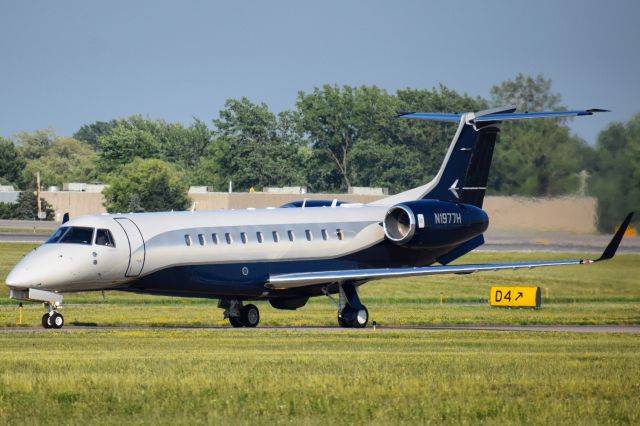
353	318
57	320
235	322
346	318
45	321
249	316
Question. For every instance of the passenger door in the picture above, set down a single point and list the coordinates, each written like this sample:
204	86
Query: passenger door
136	246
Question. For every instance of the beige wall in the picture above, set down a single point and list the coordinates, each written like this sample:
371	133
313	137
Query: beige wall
571	214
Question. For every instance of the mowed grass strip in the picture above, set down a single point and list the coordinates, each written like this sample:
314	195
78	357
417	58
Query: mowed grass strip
318	377
322	312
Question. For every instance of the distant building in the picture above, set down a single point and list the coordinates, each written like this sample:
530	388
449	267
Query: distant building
285	190
365	190
83	187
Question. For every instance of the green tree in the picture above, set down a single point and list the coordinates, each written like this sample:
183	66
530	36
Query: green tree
26	208
11	162
146	185
255	148
123	144
91	133
64	160
33	145
615	179
538	158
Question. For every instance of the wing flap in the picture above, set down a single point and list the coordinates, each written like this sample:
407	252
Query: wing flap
286	281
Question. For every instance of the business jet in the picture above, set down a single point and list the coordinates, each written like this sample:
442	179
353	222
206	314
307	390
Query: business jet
287	255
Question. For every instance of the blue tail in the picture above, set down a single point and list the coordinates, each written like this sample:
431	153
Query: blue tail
464	172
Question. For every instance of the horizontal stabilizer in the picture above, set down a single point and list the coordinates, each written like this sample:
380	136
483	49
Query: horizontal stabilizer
485	116
435	116
530	115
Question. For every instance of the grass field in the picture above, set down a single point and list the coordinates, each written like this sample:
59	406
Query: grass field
315	376
318	377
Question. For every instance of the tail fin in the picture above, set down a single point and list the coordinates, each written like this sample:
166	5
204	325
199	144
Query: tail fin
465	169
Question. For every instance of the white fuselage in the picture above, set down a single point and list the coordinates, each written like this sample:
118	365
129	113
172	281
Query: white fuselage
149	242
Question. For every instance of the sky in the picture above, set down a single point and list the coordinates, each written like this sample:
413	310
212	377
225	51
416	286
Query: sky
68	63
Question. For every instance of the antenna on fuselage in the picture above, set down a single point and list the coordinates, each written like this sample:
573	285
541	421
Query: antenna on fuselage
65	218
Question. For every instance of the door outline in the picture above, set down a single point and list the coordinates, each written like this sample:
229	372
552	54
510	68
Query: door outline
128	272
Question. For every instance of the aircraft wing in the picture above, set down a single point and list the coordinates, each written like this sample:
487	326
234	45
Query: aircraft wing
303	279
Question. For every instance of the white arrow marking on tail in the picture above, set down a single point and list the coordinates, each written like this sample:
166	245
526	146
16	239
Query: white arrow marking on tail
453	188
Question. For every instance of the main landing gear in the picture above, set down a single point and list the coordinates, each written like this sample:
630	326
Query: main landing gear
240	316
351	312
53	318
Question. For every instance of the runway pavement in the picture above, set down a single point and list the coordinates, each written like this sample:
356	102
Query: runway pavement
626	329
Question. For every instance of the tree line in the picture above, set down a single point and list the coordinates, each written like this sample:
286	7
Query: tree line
335	138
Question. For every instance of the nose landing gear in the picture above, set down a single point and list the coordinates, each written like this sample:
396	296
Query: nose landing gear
52	319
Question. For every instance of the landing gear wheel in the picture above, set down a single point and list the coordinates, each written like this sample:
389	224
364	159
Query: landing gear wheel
46	318
235	322
57	320
249	316
353	318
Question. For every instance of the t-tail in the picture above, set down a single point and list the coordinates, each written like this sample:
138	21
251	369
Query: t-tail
463	176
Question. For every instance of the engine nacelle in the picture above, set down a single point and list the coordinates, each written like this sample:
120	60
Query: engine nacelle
433	223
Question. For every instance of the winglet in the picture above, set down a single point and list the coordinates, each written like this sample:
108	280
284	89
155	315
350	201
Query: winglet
611	249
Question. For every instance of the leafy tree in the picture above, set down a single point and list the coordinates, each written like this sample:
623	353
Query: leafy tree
538	158
26	208
526	93
255	148
355	130
146	185
616	173
35	144
184	145
91	133
64	160
11	162
331	119
123	144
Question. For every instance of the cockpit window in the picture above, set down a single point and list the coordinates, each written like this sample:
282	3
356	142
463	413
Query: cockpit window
104	238
77	235
57	235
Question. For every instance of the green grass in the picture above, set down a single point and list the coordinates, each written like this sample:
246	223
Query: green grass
318	377
604	293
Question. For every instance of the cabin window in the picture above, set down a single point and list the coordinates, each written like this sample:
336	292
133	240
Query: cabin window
201	239
228	237
259	237
243	237
214	238
276	236
187	239
308	234
325	235
340	234
104	238
292	237
57	235
78	235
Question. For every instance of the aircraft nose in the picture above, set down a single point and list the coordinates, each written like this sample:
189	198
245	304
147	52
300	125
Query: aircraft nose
16	279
